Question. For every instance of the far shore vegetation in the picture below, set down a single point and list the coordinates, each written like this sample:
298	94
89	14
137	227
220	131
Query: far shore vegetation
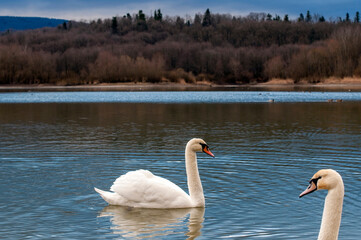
217	48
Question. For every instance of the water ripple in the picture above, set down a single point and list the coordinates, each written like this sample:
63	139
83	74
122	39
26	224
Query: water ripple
52	155
175	97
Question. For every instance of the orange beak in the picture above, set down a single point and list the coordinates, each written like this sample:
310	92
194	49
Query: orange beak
206	150
311	188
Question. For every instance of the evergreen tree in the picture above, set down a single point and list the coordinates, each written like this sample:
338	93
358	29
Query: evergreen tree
347	17
308	17
140	16
277	18
207	19
357	17
322	19
286	19
141	22
301	18
158	15
114	25
269	17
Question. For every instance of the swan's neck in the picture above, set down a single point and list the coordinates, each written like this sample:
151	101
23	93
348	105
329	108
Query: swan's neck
331	218
194	181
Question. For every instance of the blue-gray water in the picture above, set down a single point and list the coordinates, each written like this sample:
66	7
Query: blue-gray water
55	147
176	97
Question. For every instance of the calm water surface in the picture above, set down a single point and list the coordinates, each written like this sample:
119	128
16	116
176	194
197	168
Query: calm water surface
176	97
53	152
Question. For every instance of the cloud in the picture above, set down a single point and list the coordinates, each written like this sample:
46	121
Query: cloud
78	10
94	9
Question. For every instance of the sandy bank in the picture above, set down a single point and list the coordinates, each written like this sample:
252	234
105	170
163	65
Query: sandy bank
331	84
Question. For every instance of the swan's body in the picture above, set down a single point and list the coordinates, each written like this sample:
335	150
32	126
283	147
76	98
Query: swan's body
143	189
331	219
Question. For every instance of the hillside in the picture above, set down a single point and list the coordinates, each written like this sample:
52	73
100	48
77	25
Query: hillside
221	49
24	23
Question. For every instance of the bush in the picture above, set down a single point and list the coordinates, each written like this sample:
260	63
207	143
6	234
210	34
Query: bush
180	75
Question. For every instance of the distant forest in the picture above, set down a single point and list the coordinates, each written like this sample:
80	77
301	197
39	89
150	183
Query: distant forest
219	48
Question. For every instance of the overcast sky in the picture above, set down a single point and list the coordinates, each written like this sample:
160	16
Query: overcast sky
94	9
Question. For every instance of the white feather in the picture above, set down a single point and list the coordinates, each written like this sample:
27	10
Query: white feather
143	189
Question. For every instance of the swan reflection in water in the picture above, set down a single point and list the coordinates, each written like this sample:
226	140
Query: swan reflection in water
139	223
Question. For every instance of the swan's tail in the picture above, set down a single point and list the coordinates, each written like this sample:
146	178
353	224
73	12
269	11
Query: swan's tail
110	197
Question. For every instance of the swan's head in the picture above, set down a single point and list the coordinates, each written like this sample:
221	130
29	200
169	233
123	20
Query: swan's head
324	179
199	145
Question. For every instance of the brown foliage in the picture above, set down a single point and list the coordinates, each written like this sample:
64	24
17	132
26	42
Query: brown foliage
18	65
275	68
179	75
111	68
228	50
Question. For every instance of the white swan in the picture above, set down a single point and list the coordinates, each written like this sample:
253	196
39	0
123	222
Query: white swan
143	189
331	219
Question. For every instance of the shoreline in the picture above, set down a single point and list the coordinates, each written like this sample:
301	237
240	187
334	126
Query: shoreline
273	85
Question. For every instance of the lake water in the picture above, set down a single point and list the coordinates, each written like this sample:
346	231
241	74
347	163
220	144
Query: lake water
176	97
55	147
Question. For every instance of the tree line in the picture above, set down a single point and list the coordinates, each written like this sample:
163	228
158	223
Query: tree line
220	48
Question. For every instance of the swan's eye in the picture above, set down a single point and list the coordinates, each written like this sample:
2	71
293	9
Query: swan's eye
204	147
315	180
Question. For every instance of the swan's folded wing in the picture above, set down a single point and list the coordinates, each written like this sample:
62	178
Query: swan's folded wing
142	186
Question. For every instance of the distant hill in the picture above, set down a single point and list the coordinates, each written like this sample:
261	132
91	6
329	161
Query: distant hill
23	23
